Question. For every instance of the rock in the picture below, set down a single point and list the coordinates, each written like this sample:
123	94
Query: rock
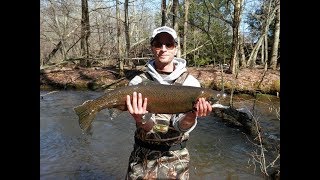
236	118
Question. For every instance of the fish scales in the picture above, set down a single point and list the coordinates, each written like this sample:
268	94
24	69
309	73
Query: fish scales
164	99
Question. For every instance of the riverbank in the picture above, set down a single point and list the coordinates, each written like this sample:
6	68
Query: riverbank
247	81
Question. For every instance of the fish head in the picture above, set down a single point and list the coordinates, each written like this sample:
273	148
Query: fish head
212	96
218	98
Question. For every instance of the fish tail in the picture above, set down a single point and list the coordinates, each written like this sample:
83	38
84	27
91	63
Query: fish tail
86	114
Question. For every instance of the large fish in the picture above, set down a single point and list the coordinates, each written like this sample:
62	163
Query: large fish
162	99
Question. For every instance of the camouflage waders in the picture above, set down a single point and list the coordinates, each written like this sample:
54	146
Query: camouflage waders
150	164
146	163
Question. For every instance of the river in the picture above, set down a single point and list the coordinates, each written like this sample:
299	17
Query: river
216	150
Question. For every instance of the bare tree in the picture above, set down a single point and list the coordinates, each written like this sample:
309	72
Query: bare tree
265	53
56	29
242	55
126	26
175	8
163	12
270	8
235	31
85	33
120	57
274	54
185	27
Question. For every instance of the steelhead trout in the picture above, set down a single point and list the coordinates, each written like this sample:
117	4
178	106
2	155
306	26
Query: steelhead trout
162	99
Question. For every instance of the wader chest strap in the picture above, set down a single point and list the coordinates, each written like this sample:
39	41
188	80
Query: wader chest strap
179	81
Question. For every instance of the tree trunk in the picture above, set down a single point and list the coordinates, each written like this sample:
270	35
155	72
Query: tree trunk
242	54
126	27
52	53
274	54
235	36
175	7
85	33
253	55
120	58
163	13
266	52
263	47
185	27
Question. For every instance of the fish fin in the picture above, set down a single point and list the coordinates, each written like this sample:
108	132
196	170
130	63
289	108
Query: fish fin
89	130
86	114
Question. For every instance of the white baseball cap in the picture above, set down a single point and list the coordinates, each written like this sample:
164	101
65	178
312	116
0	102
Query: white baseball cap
166	29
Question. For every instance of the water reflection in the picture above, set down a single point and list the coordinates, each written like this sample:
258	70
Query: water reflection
216	151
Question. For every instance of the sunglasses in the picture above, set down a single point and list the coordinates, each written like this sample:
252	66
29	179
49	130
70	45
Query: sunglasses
158	45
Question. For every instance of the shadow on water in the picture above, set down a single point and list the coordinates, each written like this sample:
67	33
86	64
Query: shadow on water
216	151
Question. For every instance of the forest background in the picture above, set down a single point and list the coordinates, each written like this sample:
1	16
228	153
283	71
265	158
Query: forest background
232	45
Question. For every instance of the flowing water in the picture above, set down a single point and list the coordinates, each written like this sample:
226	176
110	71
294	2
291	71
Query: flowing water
216	150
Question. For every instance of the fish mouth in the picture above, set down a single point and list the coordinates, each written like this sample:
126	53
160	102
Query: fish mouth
218	99
212	100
